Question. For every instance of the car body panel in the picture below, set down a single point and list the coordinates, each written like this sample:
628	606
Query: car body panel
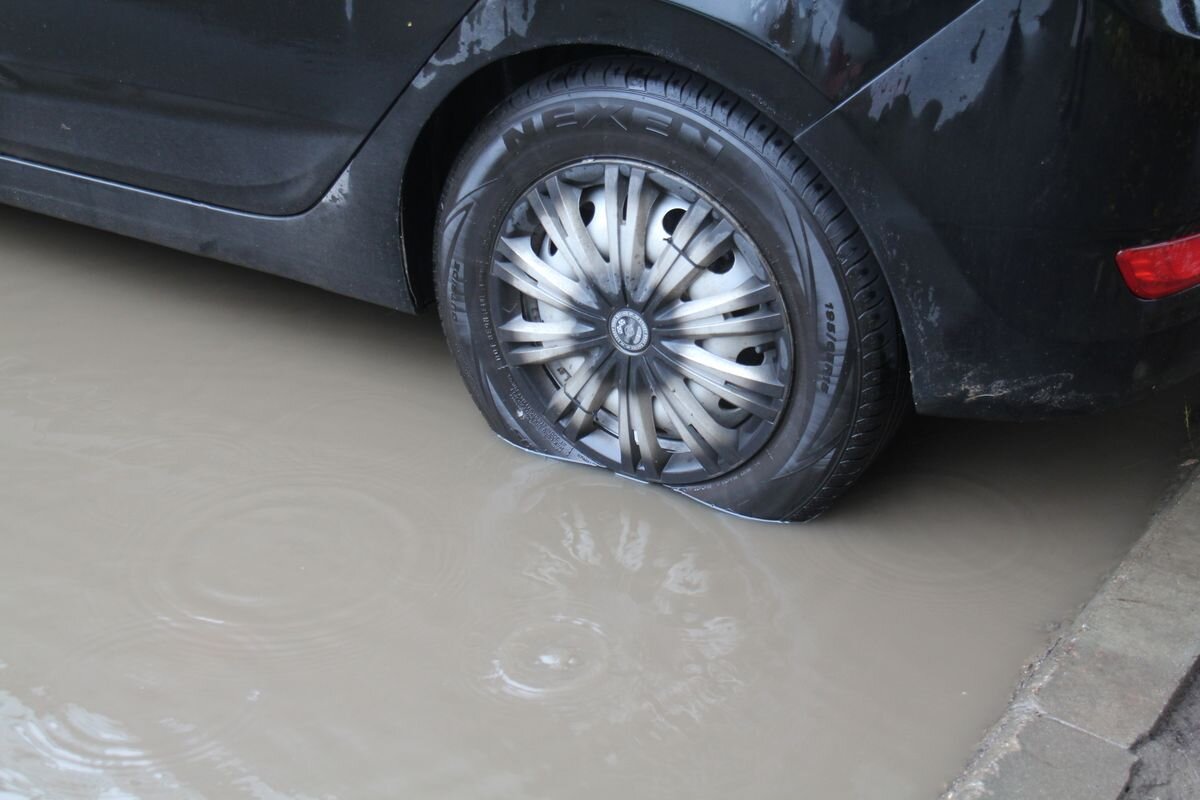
839	45
987	150
253	106
1001	166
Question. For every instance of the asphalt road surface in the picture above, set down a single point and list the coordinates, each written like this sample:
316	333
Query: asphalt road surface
255	542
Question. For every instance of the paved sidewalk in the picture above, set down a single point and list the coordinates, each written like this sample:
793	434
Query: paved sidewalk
1082	717
1168	765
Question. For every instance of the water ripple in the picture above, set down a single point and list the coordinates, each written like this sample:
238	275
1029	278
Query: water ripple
167	705
293	566
932	550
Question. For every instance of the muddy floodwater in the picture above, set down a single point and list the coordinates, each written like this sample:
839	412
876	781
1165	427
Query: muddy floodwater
256	542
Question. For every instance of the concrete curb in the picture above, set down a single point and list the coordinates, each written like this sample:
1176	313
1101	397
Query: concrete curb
1074	722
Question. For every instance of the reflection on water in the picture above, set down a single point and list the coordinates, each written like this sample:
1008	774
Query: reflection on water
619	622
256	542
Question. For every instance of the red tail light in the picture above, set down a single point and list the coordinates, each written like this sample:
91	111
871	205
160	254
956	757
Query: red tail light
1159	270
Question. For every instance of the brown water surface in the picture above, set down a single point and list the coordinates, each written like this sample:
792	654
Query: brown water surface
255	542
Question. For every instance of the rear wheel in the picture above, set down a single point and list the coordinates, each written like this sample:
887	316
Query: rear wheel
638	271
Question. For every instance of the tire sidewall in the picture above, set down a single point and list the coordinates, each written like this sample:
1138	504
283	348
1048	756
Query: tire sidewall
522	143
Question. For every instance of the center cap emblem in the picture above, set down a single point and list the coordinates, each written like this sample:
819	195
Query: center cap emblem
629	331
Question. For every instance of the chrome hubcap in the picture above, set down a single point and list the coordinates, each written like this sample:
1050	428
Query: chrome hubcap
644	319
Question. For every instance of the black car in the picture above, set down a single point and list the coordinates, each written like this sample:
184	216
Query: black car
721	245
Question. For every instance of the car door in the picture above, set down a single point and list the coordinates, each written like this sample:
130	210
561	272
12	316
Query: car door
254	105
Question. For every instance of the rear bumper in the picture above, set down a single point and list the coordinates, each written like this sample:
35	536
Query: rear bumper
1043	378
1060	333
997	171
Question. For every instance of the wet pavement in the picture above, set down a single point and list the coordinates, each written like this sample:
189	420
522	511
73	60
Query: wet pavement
256	542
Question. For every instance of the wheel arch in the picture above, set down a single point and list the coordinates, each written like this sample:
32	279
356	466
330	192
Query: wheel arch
502	44
443	137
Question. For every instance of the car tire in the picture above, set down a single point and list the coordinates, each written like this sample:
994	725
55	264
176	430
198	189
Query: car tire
580	232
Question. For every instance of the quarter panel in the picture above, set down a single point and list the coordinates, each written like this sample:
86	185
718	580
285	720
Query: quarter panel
839	45
998	169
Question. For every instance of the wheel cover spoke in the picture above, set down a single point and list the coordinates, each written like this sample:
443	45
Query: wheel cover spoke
710	442
594	268
750	294
764	322
639	200
526	272
756	379
543	342
644	319
583	387
757	404
675	270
